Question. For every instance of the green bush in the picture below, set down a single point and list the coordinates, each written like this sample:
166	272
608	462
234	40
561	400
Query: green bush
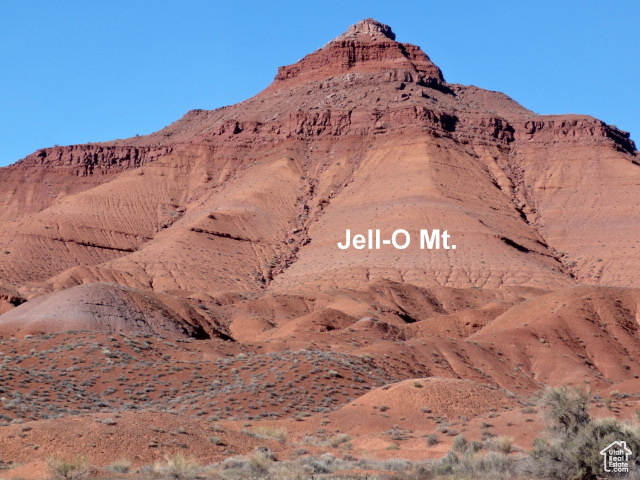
574	441
566	410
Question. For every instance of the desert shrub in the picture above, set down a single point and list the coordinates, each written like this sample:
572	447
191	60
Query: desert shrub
311	440
502	445
474	446
469	465
339	439
321	464
120	466
447	465
234	463
432	439
62	469
177	467
279	434
573	443
395	465
566	410
459	444
492	465
260	460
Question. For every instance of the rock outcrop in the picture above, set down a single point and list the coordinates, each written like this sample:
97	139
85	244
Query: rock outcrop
368	46
84	160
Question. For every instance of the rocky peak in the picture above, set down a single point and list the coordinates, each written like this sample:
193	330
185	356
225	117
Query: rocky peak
367	47
368	29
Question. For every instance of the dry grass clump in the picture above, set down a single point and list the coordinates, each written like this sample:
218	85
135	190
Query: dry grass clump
120	466
279	434
68	469
177	467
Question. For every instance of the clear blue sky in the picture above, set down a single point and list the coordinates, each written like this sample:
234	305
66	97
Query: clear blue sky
90	70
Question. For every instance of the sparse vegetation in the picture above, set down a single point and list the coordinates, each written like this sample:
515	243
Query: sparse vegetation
432	439
570	449
120	466
459	444
339	439
260	461
177	467
68	469
279	434
279	385
574	440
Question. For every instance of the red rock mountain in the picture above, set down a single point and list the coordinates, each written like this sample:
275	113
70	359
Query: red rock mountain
363	133
224	225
